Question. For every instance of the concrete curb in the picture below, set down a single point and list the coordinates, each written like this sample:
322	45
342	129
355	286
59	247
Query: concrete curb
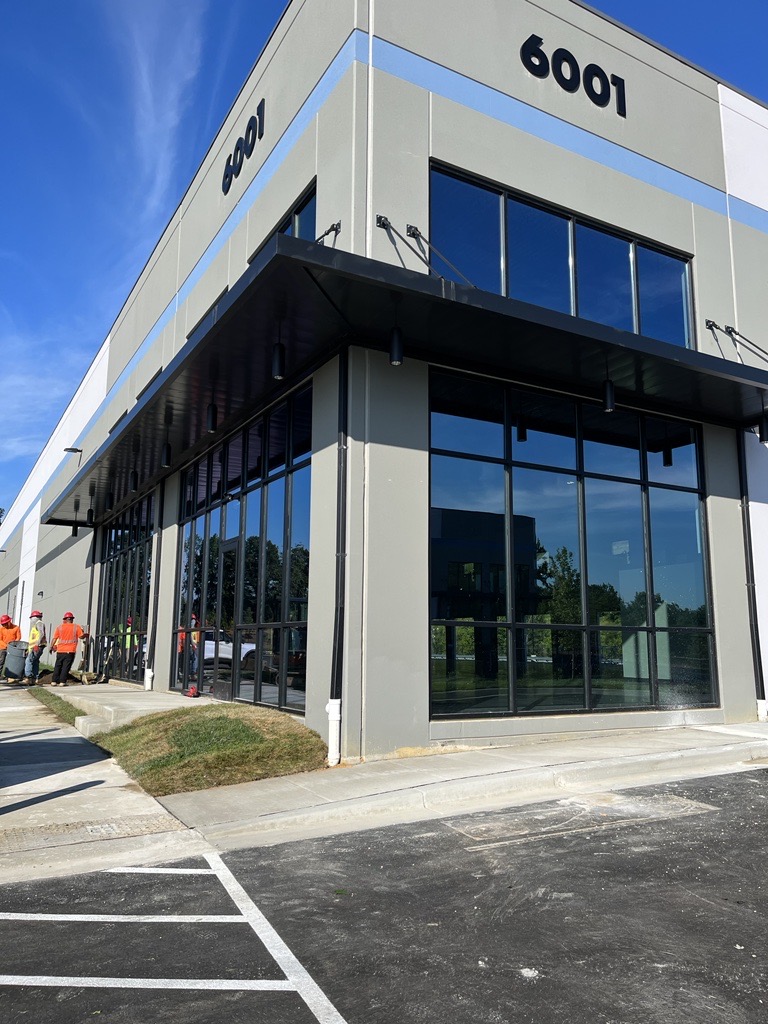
518	786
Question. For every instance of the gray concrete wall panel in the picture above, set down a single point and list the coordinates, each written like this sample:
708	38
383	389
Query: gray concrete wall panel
342	163
322	531
750	277
207	291
352	686
148	301
728	568
482	43
712	280
164	578
399	161
396	594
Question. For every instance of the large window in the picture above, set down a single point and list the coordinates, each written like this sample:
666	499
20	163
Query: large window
551	258
568	570
243	570
120	641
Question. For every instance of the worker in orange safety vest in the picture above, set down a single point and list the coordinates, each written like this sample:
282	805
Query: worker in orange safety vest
8	633
64	644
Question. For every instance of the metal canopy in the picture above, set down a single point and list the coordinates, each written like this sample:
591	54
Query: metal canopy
317	300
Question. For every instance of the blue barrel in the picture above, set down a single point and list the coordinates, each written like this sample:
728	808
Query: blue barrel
15	658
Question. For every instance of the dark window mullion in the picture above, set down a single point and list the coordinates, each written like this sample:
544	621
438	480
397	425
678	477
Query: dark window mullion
634	271
573	268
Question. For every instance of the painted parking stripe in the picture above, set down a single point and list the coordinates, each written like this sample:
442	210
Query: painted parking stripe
130	918
160	871
220	984
308	989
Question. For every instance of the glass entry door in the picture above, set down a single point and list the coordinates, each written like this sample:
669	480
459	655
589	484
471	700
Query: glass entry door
221	646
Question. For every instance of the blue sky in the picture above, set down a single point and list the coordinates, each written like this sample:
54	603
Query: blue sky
108	107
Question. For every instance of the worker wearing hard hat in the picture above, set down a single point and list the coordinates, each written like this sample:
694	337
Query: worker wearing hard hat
36	644
64	645
8	633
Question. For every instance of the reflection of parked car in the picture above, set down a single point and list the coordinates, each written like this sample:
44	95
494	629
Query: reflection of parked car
296	667
225	647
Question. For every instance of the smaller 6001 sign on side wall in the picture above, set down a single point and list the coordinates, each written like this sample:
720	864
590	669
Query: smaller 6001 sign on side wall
244	146
565	70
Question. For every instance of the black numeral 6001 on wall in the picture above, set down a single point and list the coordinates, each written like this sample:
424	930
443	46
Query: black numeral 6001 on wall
569	76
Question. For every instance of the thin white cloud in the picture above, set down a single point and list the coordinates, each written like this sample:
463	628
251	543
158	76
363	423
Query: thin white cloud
160	48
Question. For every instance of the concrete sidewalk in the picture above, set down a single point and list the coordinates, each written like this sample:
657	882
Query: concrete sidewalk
66	807
50	773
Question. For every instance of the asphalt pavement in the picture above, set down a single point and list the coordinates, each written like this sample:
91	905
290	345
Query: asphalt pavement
65	807
643	906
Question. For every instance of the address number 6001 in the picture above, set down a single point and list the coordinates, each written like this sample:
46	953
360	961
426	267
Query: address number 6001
569	76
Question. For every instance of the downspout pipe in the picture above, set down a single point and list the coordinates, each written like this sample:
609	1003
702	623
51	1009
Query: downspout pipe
333	707
754	630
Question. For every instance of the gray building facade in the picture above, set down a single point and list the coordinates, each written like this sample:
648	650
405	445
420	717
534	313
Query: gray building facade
442	396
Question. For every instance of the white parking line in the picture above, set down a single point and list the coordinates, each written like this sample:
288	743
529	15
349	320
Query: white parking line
130	918
309	990
220	984
160	871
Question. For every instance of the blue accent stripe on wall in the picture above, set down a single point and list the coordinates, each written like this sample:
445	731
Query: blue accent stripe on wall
746	213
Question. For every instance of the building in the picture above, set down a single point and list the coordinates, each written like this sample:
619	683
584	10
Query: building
441	396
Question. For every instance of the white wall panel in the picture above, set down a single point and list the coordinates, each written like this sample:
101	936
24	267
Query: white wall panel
745	138
84	404
27	567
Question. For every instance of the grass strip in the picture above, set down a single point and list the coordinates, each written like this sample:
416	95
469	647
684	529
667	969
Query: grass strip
204	747
61	708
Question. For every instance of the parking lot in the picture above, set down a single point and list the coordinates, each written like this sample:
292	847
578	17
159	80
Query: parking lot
640	906
183	942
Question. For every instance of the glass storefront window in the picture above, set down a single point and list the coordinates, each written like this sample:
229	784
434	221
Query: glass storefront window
606	560
556	260
273	552
619	669
278	440
544	429
469	669
684	668
604	278
468	540
671	453
678	559
546	542
120	638
550	670
617	591
235	464
662	284
298	598
255	452
467	416
611	448
252	555
465	225
305	220
538	256
244	561
301	436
